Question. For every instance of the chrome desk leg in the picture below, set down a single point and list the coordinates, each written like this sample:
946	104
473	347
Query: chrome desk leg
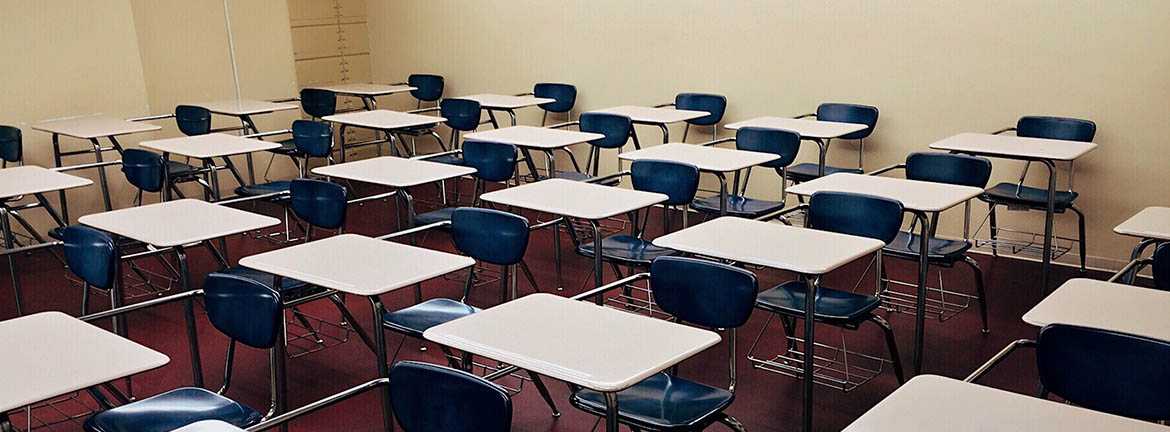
380	357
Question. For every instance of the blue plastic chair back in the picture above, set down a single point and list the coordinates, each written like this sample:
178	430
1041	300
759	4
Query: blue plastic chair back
91	255
949	168
1106	371
193	120
783	143
143	169
1061	128
712	103
678	181
855	214
493	161
850	113
314	139
318	102
427	87
432	398
490	236
461	114
615	127
10	144
1161	267
320	203
565	95
244	309
702	292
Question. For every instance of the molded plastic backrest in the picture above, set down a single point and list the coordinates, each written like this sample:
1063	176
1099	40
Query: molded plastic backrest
315	139
776	141
490	236
1061	128
678	181
91	255
850	113
855	214
949	168
432	398
244	309
10	144
615	127
565	95
428	87
318	102
143	169
461	114
711	103
492	161
702	292
193	120
1106	371
320	203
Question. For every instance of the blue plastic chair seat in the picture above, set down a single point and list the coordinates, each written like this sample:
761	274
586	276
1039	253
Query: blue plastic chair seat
415	320
578	176
172	410
449	159
905	245
808	171
832	305
264	188
288	148
662	402
434	216
626	248
1036	198
289	289
176	169
737	205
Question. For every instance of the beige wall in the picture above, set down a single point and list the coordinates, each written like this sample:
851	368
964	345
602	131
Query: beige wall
933	68
130	58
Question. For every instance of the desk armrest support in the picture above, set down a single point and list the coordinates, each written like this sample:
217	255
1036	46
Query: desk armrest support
998	358
415	230
806	115
611	286
608	177
717	142
781	213
565	125
887	169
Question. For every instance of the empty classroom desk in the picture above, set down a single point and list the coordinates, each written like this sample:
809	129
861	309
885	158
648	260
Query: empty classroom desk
244	109
546	140
919	198
763	244
36	181
506	103
1152	226
931	402
93	129
717	161
578	200
592	346
50	354
1043	151
397	173
367	92
661	117
818	131
179	224
361	266
1107	306
206	148
385	121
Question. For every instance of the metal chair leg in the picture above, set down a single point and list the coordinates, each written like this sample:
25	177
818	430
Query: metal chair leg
893	346
529	277
994	229
309	326
732	423
979	290
1081	236
540	387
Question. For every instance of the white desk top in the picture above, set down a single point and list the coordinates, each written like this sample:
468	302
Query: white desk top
711	159
98	126
1151	222
357	264
365	89
177	223
574	198
534	137
384	119
209	146
1012	146
592	346
1107	306
50	354
807	128
641	114
245	107
394	171
496	101
931	403
913	194
32	179
800	250
209	426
